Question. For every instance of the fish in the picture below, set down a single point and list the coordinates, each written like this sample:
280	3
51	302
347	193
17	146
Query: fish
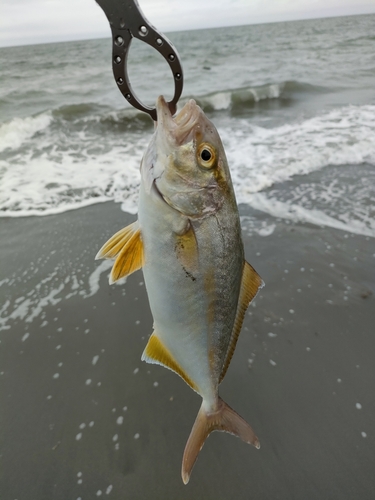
187	240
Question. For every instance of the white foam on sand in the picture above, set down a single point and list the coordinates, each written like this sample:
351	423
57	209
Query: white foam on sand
297	213
94	278
49	291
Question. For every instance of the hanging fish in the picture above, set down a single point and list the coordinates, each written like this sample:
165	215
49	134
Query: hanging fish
188	241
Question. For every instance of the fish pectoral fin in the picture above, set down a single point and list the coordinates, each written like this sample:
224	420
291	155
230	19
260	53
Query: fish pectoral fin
156	353
114	245
223	419
250	284
127	246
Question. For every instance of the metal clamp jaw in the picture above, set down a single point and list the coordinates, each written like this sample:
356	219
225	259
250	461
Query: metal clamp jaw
127	21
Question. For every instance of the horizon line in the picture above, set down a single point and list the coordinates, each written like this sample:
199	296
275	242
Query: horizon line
102	37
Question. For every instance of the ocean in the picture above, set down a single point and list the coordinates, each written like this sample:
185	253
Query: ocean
294	104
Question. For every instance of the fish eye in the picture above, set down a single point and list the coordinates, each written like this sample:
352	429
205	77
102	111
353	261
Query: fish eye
206	156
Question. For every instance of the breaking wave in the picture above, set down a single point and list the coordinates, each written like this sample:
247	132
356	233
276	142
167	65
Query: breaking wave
104	119
247	97
18	130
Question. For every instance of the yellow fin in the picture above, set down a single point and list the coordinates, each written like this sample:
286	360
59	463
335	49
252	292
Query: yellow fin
186	248
113	246
156	353
250	284
223	418
127	246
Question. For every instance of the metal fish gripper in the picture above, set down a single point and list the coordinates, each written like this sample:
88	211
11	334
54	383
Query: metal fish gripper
127	21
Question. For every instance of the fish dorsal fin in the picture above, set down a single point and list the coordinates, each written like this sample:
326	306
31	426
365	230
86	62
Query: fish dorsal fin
127	246
250	284
156	353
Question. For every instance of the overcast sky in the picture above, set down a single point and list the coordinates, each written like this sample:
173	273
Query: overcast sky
38	21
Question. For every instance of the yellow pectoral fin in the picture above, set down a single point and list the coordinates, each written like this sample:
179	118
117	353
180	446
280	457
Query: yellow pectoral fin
127	246
130	259
113	246
250	284
156	353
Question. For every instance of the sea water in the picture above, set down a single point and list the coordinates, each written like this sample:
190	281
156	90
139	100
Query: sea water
294	104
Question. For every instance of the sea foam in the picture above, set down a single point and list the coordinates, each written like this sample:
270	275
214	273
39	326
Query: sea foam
17	130
64	169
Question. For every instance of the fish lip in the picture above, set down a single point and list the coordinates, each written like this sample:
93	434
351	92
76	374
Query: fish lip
180	129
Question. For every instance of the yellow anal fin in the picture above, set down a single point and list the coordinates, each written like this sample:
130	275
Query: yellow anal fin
186	249
250	284
127	246
156	353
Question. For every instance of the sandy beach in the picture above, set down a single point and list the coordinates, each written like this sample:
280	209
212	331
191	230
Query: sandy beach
83	417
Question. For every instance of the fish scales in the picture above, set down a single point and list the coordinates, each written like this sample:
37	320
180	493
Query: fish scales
204	322
188	241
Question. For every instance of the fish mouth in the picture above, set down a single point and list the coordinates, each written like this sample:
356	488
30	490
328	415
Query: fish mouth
180	129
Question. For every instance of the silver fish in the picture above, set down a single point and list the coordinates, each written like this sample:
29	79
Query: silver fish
188	241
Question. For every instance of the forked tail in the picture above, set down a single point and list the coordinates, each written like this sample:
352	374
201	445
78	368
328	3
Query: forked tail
224	419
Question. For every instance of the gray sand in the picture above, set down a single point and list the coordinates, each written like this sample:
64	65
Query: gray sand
82	417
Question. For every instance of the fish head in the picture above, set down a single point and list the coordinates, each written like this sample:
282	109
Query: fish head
186	161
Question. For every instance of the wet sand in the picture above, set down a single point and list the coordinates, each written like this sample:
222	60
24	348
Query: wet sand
82	417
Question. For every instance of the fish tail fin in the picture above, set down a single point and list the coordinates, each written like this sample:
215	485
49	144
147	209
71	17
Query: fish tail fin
223	419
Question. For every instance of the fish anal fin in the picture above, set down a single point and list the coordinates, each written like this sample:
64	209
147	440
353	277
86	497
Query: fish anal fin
186	249
156	353
222	419
250	284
